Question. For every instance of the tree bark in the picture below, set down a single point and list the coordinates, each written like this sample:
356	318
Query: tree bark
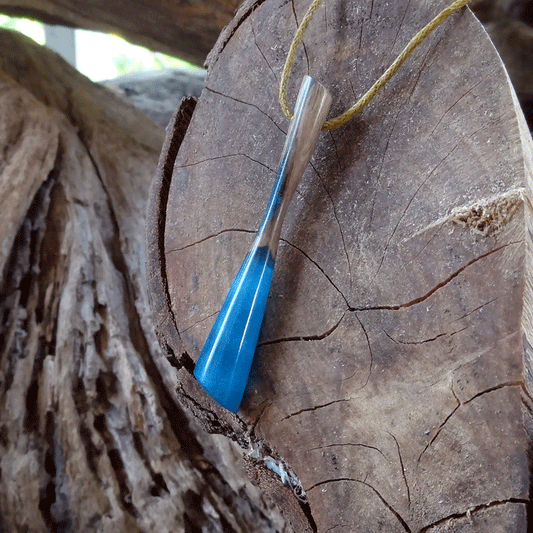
393	373
185	29
92	437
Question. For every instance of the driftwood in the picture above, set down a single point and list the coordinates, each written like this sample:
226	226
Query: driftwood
92	437
393	375
185	29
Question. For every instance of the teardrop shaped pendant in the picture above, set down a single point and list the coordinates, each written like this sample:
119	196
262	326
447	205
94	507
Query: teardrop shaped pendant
224	364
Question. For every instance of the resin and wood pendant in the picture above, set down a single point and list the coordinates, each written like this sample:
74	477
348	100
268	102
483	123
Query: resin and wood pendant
226	358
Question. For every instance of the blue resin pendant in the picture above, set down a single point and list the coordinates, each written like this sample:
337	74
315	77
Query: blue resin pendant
224	364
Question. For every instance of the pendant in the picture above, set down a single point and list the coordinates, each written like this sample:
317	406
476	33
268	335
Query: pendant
224	364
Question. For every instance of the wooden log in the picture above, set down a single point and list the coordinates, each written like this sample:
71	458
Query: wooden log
393	375
184	29
92	437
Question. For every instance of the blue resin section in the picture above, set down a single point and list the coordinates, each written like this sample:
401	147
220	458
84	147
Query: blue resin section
225	361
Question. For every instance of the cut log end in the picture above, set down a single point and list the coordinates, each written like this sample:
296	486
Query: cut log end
391	377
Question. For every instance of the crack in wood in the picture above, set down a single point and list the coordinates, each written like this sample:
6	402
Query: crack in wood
212	236
398	33
431	339
319	268
259	48
238	100
315	408
459	144
376	186
402	468
424	341
225	156
428	242
373	489
303	43
371	364
494	388
474	509
466	402
305	338
203	239
253	426
338	525
353	444
483	79
243	13
338	222
200	321
440	285
478	308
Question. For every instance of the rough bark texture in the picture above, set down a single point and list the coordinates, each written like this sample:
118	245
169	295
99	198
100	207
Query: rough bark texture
393	374
92	437
178	27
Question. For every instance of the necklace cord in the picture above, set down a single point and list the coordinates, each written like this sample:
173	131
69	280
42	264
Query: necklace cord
378	85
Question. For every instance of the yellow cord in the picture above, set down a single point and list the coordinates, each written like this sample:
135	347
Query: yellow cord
379	84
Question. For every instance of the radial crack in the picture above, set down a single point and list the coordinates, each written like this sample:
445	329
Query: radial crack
471	510
425	296
224	156
385	150
315	408
457	101
354	444
254	425
259	48
304	337
461	404
439	429
303	44
375	491
203	239
494	388
459	144
424	341
402	468
319	268
371	365
248	104
391	48
200	321
231	29
476	309
338	222
397	341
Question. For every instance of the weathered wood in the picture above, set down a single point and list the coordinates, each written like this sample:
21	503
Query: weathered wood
394	367
158	92
182	28
92	437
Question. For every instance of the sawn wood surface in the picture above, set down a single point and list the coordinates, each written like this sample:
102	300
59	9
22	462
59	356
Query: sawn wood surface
392	375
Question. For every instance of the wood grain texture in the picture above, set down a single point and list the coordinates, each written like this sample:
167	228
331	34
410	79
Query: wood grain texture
393	372
92	435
